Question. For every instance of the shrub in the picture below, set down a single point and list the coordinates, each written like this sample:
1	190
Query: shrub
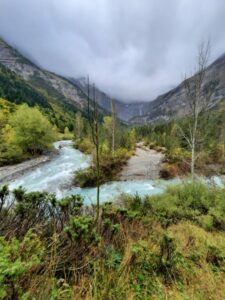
147	248
218	153
177	155
71	205
87	177
206	222
84	145
113	258
81	228
191	201
170	260
215	257
203	158
19	261
169	171
110	165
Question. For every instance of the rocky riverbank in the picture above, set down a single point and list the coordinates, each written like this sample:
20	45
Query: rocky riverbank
8	173
145	164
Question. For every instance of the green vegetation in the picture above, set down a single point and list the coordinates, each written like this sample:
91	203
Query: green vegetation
14	88
24	132
165	137
33	132
116	145
110	165
210	150
170	246
18	91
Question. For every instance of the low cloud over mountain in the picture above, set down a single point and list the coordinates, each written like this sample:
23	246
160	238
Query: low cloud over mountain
133	50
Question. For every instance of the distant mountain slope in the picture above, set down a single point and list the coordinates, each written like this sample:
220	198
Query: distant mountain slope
166	106
70	95
125	111
16	90
172	104
58	90
13	87
56	86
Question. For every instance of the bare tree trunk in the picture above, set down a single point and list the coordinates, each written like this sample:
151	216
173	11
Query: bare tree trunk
113	140
193	143
94	124
198	100
193	161
113	125
98	184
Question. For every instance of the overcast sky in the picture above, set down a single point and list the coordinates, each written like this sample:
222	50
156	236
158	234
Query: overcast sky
132	49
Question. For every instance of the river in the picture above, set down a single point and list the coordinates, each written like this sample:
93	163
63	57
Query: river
56	176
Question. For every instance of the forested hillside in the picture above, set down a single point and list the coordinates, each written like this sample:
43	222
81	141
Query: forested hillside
63	96
16	90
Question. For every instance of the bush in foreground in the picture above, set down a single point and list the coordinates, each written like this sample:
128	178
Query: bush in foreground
164	246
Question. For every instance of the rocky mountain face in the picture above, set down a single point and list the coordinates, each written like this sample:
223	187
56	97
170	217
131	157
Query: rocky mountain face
51	84
125	111
73	92
66	90
166	106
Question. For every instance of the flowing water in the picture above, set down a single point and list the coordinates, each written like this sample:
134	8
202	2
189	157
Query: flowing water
56	176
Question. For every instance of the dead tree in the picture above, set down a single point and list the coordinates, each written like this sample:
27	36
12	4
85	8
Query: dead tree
198	97
93	117
113	109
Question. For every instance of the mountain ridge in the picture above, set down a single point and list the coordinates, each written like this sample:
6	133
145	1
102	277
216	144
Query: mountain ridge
72	92
39	77
125	110
172	103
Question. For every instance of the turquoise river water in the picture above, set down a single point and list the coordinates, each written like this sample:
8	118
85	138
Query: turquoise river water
56	176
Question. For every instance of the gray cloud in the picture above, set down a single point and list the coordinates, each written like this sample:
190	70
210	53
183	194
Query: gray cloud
132	49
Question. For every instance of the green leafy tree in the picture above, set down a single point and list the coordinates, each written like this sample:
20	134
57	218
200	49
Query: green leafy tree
33	131
2	125
113	108
10	150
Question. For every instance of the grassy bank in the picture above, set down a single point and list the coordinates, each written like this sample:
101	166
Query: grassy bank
170	246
